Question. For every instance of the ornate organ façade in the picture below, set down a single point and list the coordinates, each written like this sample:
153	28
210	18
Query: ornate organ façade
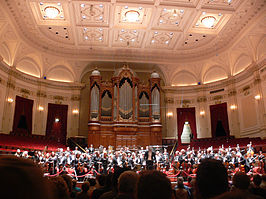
124	111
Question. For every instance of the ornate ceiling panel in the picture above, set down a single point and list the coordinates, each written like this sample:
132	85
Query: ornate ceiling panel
162	39
128	38
91	36
145	30
91	13
171	19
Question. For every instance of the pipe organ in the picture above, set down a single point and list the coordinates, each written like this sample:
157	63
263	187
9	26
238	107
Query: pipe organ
124	111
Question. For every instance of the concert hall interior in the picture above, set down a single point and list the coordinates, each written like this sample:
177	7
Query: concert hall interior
169	74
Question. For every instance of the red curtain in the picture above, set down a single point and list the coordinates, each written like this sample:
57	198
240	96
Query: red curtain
56	126
22	123
219	115
186	115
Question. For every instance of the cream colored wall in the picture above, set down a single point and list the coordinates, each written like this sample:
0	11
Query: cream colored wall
53	92
249	118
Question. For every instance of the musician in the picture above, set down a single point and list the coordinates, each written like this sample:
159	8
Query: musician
242	161
131	164
105	163
124	161
150	158
76	150
62	159
165	154
52	160
115	159
97	160
91	149
261	159
18	153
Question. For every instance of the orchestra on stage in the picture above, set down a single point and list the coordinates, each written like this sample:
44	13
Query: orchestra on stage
94	161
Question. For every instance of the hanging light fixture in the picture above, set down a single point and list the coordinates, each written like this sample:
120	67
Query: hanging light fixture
51	12
208	21
132	16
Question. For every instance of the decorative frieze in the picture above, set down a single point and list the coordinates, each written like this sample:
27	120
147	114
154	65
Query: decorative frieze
169	100
41	94
217	97
75	98
232	93
25	91
201	99
58	97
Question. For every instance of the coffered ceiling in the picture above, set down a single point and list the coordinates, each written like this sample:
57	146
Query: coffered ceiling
186	41
132	30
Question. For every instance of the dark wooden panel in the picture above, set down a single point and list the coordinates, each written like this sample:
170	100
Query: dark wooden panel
119	136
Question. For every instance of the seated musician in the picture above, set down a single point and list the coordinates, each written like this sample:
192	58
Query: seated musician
150	158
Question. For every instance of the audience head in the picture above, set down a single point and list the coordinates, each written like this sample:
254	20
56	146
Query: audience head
85	186
241	181
118	171
263	183
101	179
211	179
68	181
257	179
108	180
74	183
21	178
153	185
180	182
92	182
127	182
59	188
237	195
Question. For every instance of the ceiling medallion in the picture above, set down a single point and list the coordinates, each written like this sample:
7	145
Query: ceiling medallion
51	12
208	21
132	16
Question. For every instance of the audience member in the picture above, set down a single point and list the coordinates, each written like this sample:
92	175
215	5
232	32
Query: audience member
100	179
127	185
153	185
111	194
237	195
211	179
92	182
68	181
241	181
256	189
84	193
75	189
59	188
21	178
181	192
263	183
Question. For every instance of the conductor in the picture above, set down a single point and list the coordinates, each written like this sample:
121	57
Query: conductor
150	159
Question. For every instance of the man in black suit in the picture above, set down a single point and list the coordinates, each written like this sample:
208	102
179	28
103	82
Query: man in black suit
150	159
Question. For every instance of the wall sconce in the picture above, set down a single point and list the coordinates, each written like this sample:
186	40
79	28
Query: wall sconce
56	120
233	107
202	113
170	114
10	100
75	111
257	97
40	108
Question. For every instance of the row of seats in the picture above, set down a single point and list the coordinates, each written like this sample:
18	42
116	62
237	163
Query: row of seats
11	142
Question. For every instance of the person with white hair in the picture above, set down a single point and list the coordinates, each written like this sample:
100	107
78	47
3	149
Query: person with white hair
18	153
